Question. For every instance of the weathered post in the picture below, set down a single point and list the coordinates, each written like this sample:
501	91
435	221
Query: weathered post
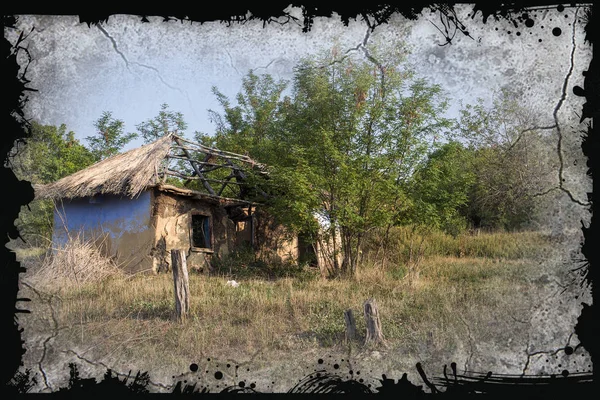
181	283
374	333
350	325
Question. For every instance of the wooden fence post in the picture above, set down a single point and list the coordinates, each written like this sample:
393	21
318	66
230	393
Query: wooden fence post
181	283
350	325
374	333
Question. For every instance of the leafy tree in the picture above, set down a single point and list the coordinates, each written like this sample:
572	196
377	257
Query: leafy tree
440	189
343	145
109	138
165	122
250	126
48	154
511	163
253	121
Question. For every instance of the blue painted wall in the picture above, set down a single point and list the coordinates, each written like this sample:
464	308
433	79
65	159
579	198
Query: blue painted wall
111	214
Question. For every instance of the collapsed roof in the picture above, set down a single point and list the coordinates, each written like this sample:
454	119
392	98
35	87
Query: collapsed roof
170	159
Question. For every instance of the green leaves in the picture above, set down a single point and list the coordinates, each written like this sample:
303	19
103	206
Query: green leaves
164	123
109	138
49	153
441	188
510	162
344	142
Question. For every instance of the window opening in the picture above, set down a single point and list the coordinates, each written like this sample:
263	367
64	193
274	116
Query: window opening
201	231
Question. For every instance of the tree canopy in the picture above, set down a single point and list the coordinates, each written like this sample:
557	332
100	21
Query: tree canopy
48	154
342	146
165	122
110	137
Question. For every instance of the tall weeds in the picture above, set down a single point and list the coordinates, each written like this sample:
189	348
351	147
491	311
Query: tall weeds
78	261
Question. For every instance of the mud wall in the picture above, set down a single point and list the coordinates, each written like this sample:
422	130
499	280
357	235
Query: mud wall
121	227
273	241
172	219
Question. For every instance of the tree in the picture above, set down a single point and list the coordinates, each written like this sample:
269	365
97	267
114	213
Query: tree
165	122
440	189
250	126
109	138
511	163
342	146
48	154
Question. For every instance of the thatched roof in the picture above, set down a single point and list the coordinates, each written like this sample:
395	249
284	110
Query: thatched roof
130	173
126	174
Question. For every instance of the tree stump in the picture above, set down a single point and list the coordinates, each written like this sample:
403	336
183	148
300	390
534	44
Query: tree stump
350	325
374	333
181	283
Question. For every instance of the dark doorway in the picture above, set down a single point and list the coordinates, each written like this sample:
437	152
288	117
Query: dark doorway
306	251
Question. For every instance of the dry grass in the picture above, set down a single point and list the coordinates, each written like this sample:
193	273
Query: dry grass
77	262
127	174
133	318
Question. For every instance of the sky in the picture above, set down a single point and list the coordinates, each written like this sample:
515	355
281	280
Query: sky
130	68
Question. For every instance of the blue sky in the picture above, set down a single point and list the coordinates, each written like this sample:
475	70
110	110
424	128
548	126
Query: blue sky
130	68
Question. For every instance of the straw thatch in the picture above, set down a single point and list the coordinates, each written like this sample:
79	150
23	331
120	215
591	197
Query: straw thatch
126	174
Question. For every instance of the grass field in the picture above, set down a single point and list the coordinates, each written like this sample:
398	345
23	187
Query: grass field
471	285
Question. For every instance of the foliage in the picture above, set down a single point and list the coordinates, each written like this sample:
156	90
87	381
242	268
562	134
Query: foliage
467	244
441	188
242	263
295	314
109	138
342	146
165	122
48	154
510	163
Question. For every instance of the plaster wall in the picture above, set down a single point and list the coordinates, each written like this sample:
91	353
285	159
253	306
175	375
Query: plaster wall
120	227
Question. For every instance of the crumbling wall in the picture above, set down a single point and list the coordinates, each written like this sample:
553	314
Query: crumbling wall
171	217
274	241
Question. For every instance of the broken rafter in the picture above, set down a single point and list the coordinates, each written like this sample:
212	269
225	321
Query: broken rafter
201	162
225	159
239	174
178	175
200	195
198	172
215	151
225	184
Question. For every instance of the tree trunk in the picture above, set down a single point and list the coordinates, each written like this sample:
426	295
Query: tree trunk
374	333
383	246
350	255
336	264
350	325
181	284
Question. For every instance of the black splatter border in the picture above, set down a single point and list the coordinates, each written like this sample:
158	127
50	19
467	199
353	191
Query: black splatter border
20	193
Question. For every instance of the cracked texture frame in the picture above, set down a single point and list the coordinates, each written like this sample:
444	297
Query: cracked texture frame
549	345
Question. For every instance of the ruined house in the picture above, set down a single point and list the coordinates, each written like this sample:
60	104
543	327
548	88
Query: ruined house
136	207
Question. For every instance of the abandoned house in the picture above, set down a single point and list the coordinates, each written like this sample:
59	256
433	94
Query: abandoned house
133	207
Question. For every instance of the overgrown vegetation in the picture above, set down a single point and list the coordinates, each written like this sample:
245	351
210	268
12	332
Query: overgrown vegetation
79	261
358	146
242	263
290	308
48	154
361	144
